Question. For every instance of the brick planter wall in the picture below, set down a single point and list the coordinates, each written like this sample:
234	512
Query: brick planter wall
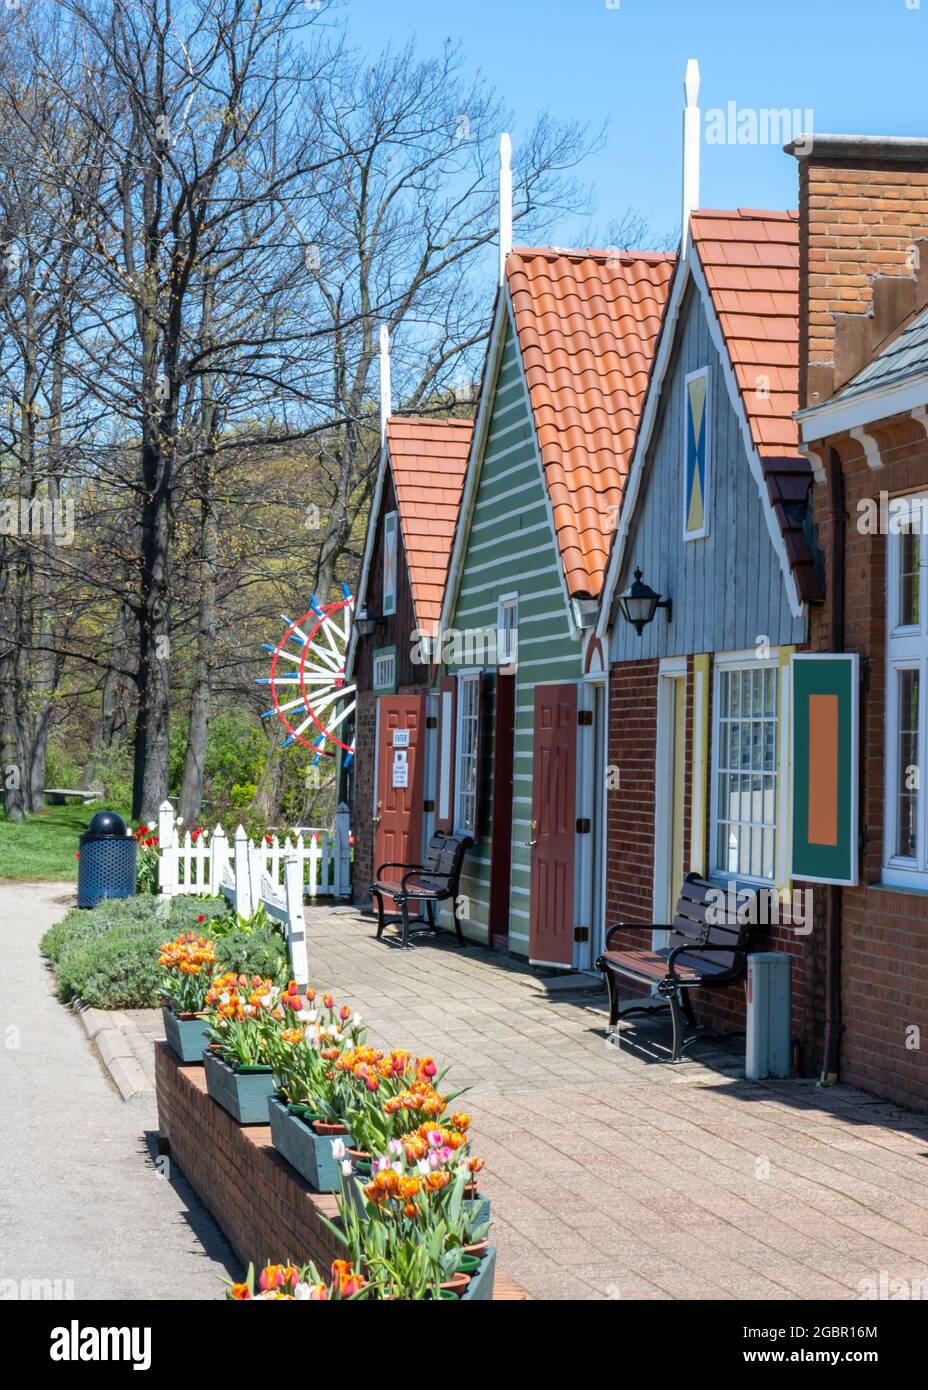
265	1209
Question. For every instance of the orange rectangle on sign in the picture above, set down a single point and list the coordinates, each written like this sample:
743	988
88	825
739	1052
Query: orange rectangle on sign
823	769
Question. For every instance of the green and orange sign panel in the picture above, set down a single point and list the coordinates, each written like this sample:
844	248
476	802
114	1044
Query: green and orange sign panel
825	764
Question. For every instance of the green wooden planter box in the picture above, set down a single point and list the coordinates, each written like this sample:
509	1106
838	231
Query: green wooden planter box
309	1153
186	1036
480	1288
478	1208
243	1093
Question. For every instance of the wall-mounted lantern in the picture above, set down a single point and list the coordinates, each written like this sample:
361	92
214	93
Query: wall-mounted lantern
366	624
640	603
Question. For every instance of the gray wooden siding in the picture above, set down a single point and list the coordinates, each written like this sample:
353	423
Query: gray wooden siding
511	549
728	588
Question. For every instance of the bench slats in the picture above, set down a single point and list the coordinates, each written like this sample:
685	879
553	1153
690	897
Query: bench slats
707	946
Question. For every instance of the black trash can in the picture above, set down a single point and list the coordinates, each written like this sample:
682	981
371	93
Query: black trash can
106	868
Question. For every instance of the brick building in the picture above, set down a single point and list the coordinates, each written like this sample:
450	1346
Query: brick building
410	530
864	396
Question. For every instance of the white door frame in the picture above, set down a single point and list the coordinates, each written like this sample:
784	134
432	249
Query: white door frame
670	671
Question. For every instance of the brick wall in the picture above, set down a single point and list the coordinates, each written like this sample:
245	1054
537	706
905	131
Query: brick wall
630	860
858	217
265	1209
630	806
863	224
884	933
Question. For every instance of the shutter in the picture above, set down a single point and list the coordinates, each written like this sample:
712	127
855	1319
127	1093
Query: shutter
447	725
478	754
825	767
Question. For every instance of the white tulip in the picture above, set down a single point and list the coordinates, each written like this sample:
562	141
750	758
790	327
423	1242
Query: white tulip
338	1149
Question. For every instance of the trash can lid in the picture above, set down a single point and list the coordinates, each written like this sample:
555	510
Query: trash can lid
106	824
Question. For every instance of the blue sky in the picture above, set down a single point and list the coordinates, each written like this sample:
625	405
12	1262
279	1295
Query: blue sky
858	65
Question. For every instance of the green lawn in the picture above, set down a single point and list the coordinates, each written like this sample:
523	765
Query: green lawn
44	848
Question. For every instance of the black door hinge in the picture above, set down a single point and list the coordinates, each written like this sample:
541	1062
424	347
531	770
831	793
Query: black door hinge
431	721
584	826
584	716
581	933
428	805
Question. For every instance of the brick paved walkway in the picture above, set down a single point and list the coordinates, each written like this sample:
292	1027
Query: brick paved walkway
791	1192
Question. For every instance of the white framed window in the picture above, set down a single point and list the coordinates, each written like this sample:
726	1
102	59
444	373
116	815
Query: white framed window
744	771
467	744
390	551
507	624
384	669
905	849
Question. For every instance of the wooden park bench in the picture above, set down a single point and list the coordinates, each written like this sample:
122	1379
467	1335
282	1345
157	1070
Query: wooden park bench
707	948
433	882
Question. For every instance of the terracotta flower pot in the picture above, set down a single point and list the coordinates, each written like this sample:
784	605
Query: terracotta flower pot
480	1249
323	1127
457	1283
360	1155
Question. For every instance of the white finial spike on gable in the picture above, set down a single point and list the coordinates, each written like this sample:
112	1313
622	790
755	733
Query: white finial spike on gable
692	135
505	203
386	403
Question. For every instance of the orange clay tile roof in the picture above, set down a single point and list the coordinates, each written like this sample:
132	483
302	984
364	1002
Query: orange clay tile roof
429	459
750	260
751	264
587	323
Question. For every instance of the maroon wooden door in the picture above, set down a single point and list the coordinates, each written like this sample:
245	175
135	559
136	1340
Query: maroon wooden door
554	825
398	808
501	841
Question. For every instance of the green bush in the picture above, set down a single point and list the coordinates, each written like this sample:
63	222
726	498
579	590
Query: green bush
260	952
116	970
108	957
80	925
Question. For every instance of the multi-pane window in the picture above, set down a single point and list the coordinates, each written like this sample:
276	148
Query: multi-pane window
906	842
384	672
745	770
507	622
467	753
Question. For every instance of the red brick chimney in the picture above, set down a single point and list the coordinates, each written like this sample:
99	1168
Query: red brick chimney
863	210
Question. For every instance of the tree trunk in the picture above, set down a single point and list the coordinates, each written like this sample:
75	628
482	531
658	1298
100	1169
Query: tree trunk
150	772
191	795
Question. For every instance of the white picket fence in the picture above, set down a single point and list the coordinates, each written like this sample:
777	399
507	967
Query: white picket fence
273	875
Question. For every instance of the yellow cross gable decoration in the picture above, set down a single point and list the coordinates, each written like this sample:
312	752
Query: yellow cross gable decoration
696	454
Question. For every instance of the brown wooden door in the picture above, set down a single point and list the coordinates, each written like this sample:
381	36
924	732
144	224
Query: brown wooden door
554	825
398	808
501	840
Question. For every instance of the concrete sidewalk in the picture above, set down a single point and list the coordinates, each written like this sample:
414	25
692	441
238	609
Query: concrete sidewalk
614	1175
84	1210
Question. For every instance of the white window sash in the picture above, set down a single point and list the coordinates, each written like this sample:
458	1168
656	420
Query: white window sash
906	650
726	666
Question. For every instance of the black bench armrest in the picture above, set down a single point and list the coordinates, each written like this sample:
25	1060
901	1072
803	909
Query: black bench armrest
396	864
628	926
